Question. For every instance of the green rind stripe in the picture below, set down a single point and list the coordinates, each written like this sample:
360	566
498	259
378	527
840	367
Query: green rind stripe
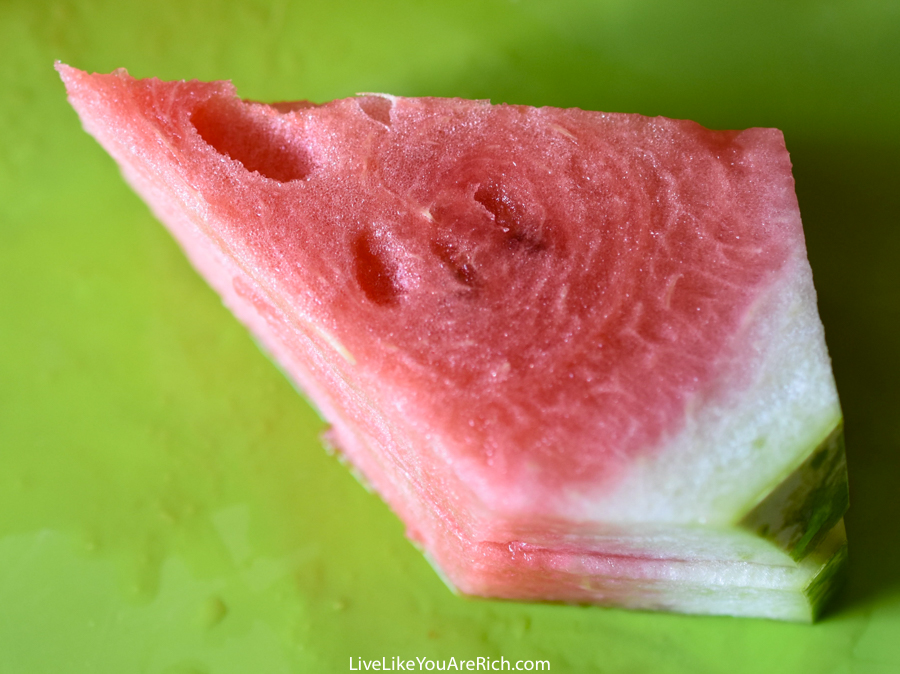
806	505
828	581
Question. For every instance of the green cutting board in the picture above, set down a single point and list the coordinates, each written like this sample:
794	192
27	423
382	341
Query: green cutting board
165	504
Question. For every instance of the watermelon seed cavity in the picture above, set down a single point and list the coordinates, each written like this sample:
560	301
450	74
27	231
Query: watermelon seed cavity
376	107
461	268
510	217
245	133
375	274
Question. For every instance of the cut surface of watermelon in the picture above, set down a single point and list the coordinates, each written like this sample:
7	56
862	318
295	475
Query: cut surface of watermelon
578	353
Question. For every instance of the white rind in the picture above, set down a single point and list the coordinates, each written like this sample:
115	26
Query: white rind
730	453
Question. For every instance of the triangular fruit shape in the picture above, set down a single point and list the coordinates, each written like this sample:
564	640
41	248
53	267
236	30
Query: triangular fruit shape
577	353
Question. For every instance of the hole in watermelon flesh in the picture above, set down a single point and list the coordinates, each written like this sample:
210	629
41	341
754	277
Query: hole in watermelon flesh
244	132
375	274
510	217
376	107
461	268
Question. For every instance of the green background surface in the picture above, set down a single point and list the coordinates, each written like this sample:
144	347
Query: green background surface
165	505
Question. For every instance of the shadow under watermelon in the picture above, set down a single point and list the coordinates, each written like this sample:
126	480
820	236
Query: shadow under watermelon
849	202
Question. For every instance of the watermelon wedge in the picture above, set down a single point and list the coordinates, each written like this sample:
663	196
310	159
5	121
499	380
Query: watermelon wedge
577	353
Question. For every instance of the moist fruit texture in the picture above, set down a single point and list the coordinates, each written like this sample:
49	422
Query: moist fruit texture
578	353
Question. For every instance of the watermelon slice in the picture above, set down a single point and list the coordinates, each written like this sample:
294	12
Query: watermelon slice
577	353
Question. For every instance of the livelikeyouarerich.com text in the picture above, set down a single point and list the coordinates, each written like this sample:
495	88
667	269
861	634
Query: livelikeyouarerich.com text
396	664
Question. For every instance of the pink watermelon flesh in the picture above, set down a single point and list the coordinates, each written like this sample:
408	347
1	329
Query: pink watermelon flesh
511	317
